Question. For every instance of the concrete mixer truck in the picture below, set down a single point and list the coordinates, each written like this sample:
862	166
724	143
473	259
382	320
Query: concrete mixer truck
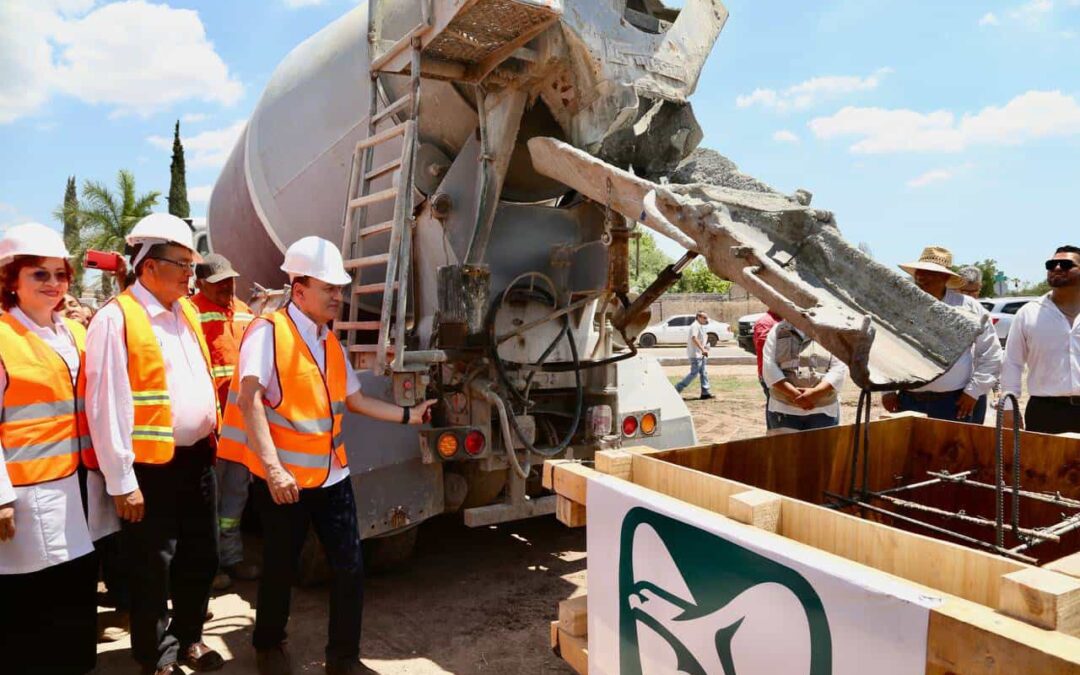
469	155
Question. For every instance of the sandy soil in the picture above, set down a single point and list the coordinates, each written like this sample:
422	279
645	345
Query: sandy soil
471	601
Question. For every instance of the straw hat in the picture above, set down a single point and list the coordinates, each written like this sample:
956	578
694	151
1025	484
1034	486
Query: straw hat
935	259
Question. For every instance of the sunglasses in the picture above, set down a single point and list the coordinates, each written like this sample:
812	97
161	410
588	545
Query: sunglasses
1065	265
187	266
43	276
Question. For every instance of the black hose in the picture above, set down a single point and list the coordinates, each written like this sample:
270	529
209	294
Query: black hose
504	378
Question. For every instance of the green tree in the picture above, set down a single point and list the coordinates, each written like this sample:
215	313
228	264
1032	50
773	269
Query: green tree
68	214
989	268
646	261
178	201
698	278
107	218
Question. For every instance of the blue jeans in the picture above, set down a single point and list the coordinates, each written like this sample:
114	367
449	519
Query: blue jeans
943	407
697	368
779	420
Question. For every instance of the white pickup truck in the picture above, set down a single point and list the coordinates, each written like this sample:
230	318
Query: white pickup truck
1002	311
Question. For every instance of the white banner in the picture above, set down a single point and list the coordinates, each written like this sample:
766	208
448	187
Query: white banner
676	589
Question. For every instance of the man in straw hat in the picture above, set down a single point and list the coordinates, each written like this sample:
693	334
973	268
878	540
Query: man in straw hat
959	394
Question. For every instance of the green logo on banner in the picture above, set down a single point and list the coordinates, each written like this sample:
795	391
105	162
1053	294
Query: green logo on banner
716	572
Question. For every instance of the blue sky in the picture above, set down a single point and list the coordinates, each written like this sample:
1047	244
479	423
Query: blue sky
915	122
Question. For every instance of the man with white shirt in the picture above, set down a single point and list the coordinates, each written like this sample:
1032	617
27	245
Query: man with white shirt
283	420
697	351
153	418
1045	336
959	394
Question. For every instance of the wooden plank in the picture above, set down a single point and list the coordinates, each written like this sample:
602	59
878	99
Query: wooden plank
569	513
616	463
574	616
373	198
392	109
758	508
555	636
567	478
382	136
1043	598
1070	565
575	651
367	261
967	638
944	566
399	46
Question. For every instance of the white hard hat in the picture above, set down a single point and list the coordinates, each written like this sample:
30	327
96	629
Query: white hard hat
31	239
162	228
315	257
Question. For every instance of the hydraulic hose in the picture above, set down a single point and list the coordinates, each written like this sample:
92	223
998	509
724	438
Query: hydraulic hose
494	399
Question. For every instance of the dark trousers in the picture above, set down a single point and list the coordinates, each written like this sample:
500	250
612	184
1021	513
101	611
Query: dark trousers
1052	415
48	619
779	420
332	512
115	570
942	406
172	552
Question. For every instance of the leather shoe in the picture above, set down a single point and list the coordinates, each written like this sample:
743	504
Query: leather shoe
201	658
273	661
170	669
353	667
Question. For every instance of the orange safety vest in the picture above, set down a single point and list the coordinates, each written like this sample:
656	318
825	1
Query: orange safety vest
152	433
305	426
43	421
223	328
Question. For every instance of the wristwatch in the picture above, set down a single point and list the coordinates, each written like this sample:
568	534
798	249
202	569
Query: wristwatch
405	414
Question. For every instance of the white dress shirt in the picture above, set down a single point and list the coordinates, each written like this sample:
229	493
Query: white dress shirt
109	407
1042	338
772	374
257	360
977	370
50	526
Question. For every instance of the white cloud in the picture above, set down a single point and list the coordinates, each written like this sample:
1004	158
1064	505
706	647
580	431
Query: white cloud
810	92
1029	116
293	4
785	136
932	176
1033	12
200	194
208	149
191	118
989	19
137	57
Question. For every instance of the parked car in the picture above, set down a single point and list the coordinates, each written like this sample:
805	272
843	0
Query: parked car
676	329
746	331
1002	311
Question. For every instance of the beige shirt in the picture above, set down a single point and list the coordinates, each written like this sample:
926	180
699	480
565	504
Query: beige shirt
109	408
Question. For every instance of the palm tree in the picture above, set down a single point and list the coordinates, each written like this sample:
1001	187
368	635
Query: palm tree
107	218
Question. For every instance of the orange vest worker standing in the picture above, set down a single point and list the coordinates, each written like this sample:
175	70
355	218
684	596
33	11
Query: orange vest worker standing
153	416
224	319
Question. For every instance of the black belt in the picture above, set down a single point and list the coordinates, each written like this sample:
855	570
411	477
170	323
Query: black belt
1060	400
923	396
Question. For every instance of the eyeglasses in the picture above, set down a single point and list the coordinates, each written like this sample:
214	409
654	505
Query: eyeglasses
43	276
1065	265
186	266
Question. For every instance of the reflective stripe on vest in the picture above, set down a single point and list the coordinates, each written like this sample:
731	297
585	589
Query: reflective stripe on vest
305	426
222	327
42	423
152	433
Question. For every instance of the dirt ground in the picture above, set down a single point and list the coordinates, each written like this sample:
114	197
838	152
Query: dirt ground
471	601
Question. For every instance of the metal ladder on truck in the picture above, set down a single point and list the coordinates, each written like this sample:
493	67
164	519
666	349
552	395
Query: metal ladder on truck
394	289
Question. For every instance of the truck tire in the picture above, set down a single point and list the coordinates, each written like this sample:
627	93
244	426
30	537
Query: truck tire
390	552
647	340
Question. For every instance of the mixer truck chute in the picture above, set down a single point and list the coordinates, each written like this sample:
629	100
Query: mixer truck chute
497	280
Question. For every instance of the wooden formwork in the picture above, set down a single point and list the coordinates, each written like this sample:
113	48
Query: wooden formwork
997	616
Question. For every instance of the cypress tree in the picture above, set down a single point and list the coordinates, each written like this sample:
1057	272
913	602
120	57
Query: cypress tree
71	230
178	201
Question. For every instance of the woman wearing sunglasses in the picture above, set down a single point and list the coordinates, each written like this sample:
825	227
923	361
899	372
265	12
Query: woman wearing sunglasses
48	569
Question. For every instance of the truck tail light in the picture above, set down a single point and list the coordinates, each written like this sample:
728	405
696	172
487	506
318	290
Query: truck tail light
447	445
648	424
474	442
629	425
994	320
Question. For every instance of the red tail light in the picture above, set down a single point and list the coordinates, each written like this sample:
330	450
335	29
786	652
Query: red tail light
474	442
629	425
995	319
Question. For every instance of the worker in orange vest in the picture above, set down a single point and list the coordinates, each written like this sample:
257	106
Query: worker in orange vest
48	567
284	421
224	318
153	417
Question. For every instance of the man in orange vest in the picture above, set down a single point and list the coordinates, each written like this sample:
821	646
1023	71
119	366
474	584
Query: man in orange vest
153	416
283	420
224	318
